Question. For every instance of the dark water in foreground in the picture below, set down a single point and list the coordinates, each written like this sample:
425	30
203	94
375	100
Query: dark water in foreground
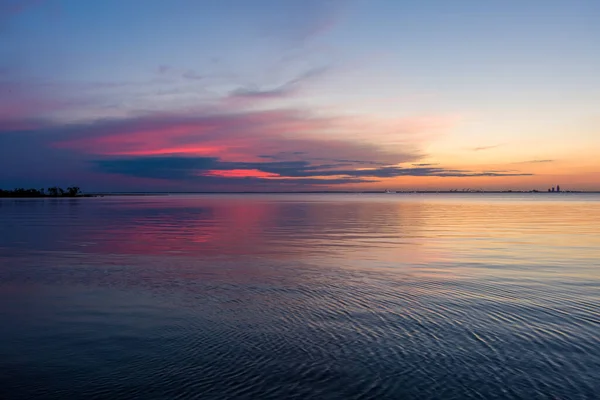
310	297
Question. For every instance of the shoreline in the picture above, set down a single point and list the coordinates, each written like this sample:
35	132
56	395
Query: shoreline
146	194
345	192
50	197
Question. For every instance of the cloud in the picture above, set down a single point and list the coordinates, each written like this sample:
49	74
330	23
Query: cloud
163	69
240	173
286	89
235	135
250	92
172	72
240	138
203	168
533	161
351	162
192	75
158	167
35	99
283	155
21	101
222	146
237	148
485	147
211	171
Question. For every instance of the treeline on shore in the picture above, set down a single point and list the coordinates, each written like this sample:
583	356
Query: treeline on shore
71	191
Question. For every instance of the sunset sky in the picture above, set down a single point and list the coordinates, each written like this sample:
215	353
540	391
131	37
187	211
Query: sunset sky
226	95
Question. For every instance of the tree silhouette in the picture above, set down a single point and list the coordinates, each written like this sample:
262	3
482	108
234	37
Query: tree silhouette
73	191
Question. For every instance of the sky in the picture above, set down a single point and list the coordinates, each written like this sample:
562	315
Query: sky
287	95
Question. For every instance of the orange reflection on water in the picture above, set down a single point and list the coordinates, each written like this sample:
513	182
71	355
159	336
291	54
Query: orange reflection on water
390	230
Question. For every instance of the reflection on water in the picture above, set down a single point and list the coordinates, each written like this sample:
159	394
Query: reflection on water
312	296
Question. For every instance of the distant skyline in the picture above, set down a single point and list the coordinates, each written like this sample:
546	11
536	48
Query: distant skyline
235	95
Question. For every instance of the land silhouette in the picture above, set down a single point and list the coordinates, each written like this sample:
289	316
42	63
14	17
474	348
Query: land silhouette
75	191
55	191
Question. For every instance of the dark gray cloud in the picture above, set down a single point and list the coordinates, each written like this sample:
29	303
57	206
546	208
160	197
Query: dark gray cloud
172	168
283	155
195	168
192	169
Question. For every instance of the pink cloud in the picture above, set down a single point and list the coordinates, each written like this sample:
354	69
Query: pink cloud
235	137
240	173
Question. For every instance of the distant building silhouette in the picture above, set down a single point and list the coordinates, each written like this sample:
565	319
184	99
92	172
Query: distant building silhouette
554	189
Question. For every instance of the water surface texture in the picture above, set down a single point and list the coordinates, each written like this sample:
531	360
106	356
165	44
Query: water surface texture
301	296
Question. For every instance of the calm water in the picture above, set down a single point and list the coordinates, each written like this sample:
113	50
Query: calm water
309	297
